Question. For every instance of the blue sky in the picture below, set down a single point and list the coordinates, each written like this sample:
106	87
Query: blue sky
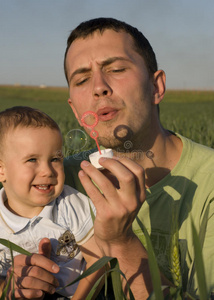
33	36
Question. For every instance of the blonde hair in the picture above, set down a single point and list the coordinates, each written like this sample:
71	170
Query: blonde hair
23	116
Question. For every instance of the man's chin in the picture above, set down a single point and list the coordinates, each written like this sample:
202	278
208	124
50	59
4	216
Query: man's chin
110	143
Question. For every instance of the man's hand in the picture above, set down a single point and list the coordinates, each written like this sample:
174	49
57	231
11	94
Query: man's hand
119	202
122	196
31	276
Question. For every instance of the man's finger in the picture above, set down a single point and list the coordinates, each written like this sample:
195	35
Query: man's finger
132	167
27	294
36	260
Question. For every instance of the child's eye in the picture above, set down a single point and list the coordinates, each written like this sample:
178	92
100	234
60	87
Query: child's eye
32	160
56	159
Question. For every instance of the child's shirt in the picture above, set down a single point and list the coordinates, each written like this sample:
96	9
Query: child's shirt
66	221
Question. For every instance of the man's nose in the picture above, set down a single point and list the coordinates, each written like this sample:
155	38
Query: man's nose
101	86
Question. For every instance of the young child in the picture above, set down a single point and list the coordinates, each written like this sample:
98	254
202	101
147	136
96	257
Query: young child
34	203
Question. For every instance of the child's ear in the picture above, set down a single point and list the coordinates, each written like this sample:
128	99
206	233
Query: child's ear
2	171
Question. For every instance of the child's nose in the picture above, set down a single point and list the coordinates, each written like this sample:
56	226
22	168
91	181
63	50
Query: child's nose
47	170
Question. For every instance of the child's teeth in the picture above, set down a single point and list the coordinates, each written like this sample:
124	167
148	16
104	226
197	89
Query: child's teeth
43	187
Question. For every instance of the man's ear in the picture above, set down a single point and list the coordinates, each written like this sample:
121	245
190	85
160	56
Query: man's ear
159	82
74	111
2	171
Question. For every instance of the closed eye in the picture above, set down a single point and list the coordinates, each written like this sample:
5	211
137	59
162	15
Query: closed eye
81	82
118	70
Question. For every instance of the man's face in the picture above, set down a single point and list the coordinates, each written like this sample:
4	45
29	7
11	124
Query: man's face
107	76
33	169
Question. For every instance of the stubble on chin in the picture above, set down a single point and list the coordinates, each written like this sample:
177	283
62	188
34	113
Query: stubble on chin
110	142
117	138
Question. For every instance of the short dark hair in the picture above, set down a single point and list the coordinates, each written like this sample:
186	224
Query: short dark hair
24	116
142	45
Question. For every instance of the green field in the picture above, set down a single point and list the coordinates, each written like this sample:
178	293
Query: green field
188	112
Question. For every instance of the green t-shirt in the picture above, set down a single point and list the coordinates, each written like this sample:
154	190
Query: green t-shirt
185	194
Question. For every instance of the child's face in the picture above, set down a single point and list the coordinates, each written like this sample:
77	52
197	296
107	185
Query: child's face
33	173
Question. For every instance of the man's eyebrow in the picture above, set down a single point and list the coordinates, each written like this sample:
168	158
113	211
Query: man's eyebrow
78	71
104	63
111	60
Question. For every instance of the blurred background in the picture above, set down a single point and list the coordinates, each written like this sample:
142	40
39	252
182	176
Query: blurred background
33	36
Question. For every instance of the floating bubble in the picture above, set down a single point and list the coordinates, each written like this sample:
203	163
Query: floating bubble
89	119
94	134
76	139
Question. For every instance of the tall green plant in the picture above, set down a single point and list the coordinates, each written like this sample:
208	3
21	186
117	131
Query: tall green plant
175	291
199	265
112	268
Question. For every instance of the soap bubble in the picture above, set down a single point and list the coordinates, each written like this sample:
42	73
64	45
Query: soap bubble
76	139
94	134
89	119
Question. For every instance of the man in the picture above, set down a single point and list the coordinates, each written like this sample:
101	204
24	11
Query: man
112	71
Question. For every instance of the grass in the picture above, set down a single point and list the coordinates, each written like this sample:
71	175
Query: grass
189	113
191	119
51	100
